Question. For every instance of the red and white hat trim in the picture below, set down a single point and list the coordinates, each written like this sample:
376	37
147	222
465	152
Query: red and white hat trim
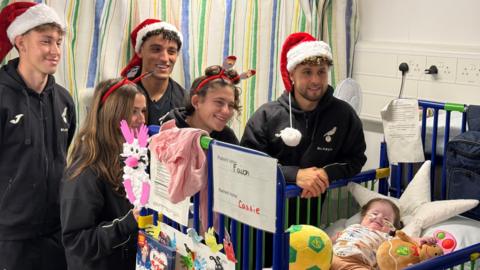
152	27
34	16
307	49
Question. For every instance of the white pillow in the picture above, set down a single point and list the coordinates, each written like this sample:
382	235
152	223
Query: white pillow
341	224
335	227
417	211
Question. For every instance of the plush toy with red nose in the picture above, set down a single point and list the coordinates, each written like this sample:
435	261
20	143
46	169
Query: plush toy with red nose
135	177
402	251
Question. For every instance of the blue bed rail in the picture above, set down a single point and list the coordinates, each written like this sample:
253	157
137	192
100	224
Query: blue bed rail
241	234
281	238
465	258
403	172
294	190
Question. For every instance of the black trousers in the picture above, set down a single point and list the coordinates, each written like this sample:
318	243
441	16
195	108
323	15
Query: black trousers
42	253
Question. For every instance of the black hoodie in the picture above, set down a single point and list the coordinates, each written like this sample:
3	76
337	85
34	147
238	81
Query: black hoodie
98	226
35	132
332	136
174	97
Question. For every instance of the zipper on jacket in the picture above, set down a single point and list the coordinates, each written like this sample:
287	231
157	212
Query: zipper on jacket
305	116
44	125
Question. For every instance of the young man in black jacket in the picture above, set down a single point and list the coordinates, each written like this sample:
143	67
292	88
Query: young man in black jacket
37	123
316	137
157	45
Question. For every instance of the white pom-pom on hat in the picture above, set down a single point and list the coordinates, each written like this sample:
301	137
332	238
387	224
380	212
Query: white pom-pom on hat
290	136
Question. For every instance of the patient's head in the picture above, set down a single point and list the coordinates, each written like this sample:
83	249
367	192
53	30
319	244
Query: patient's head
381	215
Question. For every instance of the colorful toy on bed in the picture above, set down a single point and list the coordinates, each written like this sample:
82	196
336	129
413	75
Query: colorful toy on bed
310	248
445	240
401	252
135	177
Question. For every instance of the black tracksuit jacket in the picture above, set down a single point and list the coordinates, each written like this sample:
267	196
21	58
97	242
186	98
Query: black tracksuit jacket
332	136
33	148
99	230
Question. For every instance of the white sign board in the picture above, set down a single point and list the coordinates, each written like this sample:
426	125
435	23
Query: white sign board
159	199
401	127
245	186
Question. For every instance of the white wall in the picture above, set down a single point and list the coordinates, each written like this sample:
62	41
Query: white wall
421	21
420	32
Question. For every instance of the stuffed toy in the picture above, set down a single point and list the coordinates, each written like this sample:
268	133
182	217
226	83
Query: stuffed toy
402	251
135	177
310	248
135	153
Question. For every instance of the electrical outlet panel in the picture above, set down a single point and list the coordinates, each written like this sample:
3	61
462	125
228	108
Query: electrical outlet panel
447	68
416	64
468	71
376	68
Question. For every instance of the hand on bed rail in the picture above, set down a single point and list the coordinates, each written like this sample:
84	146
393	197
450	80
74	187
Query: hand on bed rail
313	181
292	191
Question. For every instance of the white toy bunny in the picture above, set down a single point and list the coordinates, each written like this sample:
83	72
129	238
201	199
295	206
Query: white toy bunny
135	177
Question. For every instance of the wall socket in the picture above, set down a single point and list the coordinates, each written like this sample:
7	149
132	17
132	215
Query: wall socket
416	64
376	68
447	67
468	71
450	69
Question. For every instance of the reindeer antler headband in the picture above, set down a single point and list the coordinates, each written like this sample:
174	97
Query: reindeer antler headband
228	64
121	83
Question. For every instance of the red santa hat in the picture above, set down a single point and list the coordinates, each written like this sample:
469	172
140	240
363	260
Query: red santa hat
136	38
20	17
296	48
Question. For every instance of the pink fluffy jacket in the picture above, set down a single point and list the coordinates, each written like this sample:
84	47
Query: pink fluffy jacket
180	151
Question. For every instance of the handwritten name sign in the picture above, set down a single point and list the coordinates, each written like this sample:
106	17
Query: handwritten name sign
244	186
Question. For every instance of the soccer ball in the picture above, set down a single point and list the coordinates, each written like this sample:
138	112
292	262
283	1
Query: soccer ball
310	248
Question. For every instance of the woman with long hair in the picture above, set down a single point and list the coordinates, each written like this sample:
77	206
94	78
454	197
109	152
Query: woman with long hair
99	225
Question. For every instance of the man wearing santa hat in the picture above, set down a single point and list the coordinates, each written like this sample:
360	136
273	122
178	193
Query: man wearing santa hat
37	123
316	137
157	45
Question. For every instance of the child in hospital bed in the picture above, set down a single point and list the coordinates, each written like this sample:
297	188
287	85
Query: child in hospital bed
356	246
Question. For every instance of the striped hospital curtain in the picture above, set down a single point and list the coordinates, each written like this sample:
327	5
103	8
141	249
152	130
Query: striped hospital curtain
339	27
97	44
